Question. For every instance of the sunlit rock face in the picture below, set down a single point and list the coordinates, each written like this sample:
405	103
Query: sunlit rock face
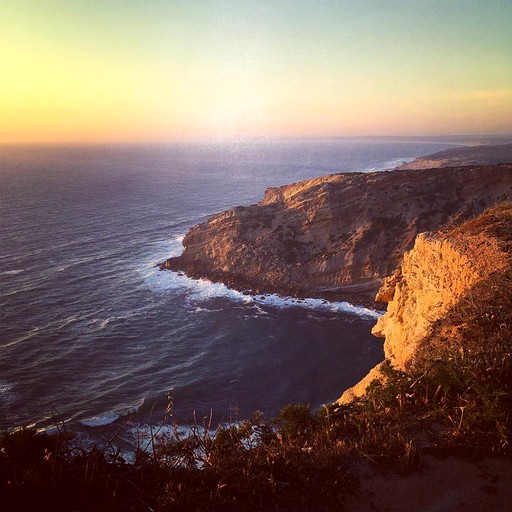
460	269
336	236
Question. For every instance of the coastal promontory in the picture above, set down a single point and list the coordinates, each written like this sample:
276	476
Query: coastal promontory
339	235
452	291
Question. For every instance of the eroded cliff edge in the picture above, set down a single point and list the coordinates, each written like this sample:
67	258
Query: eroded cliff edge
451	292
335	236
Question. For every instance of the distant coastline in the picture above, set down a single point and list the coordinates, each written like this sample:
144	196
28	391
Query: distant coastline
472	155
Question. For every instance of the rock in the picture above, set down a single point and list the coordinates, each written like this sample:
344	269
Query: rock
336	236
464	270
359	389
387	290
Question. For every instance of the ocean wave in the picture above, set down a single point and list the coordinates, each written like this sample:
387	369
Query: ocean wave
98	421
54	325
111	416
200	309
92	324
202	290
144	433
7	396
25	337
195	290
11	272
133	437
34	285
85	260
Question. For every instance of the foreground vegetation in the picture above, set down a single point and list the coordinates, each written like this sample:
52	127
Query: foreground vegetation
299	461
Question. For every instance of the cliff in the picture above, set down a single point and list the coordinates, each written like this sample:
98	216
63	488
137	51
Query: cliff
452	291
336	236
472	155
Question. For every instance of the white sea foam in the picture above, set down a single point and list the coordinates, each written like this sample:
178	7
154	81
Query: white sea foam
131	408
169	248
389	164
316	304
7	396
195	290
201	290
161	250
5	387
109	417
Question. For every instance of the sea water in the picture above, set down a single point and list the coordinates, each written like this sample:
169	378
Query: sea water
93	334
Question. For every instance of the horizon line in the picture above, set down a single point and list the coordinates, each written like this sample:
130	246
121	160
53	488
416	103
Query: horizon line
256	138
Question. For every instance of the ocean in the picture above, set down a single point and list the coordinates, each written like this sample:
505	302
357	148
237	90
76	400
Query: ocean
95	337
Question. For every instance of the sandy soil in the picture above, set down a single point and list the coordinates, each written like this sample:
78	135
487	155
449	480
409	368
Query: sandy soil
443	485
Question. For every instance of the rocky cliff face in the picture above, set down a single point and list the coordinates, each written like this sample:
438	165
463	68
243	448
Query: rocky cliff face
336	236
446	281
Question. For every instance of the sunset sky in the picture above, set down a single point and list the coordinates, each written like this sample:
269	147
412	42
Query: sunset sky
158	70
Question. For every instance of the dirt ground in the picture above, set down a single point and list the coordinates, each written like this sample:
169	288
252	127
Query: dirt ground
443	485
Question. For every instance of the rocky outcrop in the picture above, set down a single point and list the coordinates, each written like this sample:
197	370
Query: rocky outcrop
472	155
466	269
336	236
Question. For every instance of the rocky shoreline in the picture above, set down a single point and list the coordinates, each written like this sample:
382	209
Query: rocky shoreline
362	294
335	237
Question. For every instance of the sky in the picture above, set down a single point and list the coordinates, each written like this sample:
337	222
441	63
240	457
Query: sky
162	70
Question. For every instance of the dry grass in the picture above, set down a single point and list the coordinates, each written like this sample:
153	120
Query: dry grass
300	461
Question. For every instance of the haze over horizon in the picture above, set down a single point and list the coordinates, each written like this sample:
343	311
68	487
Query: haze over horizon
154	71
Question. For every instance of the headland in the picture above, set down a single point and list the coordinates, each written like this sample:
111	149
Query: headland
336	236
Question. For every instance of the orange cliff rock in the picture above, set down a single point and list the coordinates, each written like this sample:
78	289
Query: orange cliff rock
336	236
452	269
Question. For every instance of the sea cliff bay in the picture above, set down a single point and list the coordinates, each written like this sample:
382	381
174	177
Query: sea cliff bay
435	244
256	256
